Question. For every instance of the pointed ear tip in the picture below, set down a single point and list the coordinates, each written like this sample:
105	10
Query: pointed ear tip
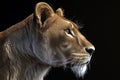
60	9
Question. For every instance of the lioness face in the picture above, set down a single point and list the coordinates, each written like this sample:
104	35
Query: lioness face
69	47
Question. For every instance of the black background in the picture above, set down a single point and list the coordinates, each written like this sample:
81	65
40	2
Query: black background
95	16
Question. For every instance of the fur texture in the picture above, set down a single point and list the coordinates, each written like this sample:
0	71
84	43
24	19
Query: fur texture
43	40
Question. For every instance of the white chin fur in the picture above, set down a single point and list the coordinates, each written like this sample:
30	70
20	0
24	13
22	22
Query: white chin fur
79	70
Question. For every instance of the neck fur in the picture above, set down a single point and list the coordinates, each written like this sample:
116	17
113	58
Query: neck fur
26	71
22	63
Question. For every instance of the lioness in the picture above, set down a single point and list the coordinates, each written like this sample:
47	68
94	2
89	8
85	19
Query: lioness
43	40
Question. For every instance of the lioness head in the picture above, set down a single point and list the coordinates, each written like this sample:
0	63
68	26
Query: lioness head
63	44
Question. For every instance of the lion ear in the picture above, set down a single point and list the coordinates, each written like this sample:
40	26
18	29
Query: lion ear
42	12
59	12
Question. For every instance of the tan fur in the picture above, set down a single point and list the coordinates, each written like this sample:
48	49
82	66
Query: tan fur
44	39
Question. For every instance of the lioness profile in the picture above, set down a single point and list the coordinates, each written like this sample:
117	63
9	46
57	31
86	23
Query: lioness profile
43	40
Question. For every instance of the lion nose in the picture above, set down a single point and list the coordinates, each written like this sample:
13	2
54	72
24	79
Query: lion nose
90	50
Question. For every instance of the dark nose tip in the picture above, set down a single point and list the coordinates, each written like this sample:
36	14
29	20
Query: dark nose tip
90	50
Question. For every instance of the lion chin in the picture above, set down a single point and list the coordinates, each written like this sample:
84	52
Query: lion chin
79	70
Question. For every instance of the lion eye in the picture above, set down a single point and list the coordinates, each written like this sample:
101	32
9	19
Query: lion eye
69	32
